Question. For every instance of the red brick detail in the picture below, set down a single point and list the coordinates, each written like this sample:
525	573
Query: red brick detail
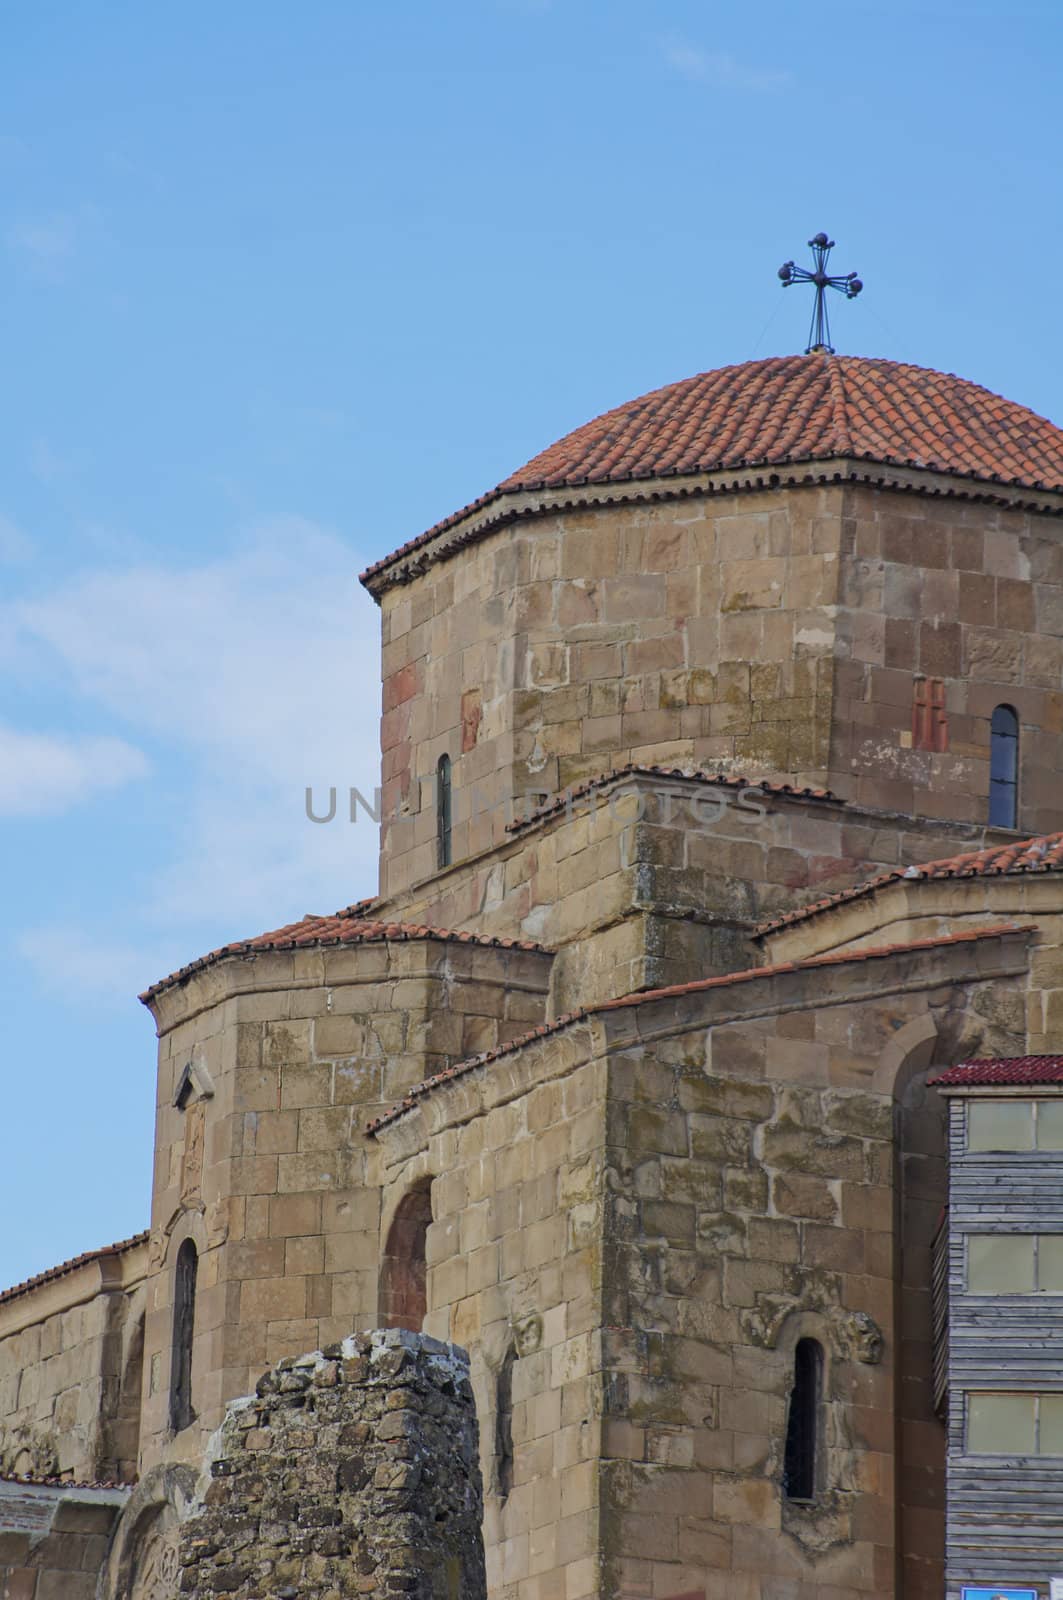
404	1269
1006	1070
930	727
1043	853
787	410
834	958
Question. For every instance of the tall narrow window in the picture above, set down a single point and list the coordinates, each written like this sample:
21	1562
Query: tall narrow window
504	1424
443	812
1004	768
801	1461
184	1320
404	1269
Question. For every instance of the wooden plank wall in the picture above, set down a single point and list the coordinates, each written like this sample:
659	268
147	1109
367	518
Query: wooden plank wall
1004	1513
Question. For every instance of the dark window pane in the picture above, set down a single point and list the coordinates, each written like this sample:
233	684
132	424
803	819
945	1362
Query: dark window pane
1004	757
1002	804
444	802
184	1319
802	1424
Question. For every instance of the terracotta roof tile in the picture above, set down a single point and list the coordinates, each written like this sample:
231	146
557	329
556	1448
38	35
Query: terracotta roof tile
1043	853
343	927
699	986
719	780
66	1267
789	410
1013	1070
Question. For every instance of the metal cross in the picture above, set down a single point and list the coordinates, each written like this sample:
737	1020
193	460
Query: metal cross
819	332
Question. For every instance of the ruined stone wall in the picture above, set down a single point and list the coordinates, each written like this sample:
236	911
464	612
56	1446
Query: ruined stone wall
70	1372
355	1471
969	596
267	1173
563	646
53	1541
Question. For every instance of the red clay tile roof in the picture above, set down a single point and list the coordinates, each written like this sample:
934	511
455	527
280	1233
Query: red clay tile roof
720	780
674	991
342	927
66	1267
1013	1070
788	410
1043	853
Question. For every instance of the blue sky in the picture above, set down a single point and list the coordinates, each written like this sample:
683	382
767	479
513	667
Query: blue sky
279	287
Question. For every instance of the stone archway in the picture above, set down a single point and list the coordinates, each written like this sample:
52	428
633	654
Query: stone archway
143	1563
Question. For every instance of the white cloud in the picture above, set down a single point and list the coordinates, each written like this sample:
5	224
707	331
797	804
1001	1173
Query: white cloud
251	676
15	546
80	965
44	244
46	774
719	68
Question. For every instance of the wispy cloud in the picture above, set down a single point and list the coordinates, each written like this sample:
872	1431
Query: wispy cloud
719	68
45	774
250	677
79	965
44	244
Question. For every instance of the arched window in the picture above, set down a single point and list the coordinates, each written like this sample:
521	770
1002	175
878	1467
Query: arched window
404	1269
803	1425
1004	768
443	812
184	1321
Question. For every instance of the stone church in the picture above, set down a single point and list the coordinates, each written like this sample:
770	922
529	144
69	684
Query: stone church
722	781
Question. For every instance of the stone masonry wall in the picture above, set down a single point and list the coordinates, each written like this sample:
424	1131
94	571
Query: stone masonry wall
70	1375
302	1048
352	1471
634	1220
566	645
965	596
654	879
53	1541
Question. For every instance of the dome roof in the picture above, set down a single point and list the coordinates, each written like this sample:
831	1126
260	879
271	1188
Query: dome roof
793	409
807	408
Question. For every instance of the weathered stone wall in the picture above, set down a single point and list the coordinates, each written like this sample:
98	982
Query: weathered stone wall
71	1351
54	1540
514	1155
267	1173
969	595
784	633
654	879
566	645
355	1471
634	1220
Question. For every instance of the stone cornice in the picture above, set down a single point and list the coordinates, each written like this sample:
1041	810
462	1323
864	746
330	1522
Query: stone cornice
502	508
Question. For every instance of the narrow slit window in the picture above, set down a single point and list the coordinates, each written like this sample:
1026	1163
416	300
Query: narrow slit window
504	1425
1004	768
444	810
801	1461
184	1323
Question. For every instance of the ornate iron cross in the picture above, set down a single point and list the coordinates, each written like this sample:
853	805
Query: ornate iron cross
819	332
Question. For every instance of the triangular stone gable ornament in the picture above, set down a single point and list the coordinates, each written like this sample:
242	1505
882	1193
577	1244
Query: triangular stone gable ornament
194	1084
